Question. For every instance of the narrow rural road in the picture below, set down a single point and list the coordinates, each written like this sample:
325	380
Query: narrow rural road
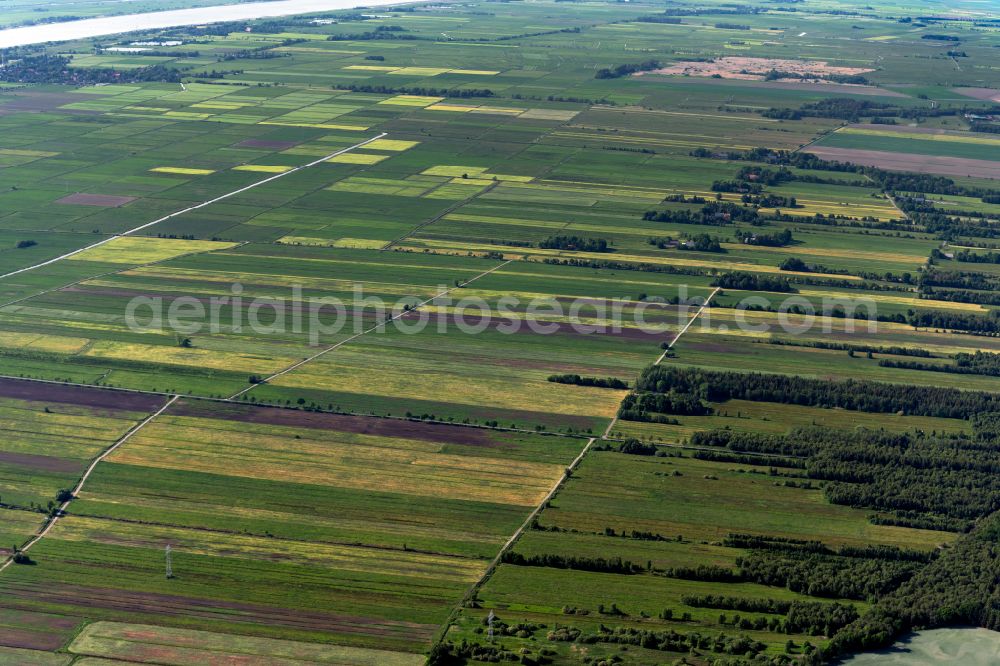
568	473
86	475
708	301
195	207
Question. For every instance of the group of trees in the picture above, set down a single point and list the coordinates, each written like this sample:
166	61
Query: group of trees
742	604
702	243
973	257
785	544
932	480
753	282
843	108
770	201
634	447
716	213
976	363
599	382
737	186
599	564
669	20
795	264
578	243
934	277
828	576
816	618
776	75
648	406
894	181
846	346
981	324
709	573
853	110
673	383
619	71
776	239
674	641
766	175
959	588
380	32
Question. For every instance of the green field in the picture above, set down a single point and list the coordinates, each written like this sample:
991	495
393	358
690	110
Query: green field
385	322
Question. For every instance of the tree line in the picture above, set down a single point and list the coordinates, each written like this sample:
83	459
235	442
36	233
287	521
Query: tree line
599	382
599	564
895	181
852	394
753	282
578	243
929	480
976	363
715	213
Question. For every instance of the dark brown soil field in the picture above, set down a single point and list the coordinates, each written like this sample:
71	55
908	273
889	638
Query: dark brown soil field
946	166
212	609
355	424
42	101
30	640
37	621
43	463
985	94
74	395
557	328
103	200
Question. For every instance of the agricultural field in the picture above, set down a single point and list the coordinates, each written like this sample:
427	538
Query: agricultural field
665	514
350	546
53	433
537	332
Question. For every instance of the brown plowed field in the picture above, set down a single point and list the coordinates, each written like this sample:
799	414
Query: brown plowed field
946	166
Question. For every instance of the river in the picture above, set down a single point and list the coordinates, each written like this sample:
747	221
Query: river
113	25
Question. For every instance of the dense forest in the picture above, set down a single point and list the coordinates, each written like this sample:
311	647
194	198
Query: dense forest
931	480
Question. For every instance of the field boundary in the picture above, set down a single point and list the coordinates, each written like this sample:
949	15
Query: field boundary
59	512
495	562
450	209
130	267
566	475
205	398
245	188
323	352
